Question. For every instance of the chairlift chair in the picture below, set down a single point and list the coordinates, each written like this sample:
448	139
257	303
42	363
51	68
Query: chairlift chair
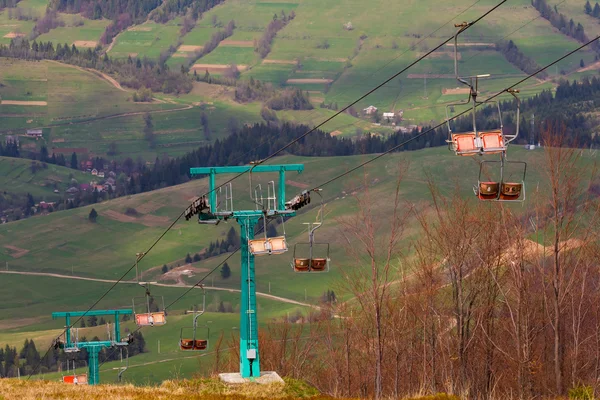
188	339
502	190
266	245
60	342
312	263
149	317
72	377
493	141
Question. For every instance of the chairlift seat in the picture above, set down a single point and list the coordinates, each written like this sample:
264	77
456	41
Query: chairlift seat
259	247
319	264
464	144
274	245
488	190
278	245
493	142
511	190
149	319
191	344
301	264
80	379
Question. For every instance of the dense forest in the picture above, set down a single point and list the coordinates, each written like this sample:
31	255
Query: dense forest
110	9
562	23
8	3
170	8
29	360
514	56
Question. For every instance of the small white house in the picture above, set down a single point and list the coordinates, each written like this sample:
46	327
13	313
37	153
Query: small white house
95	172
35	133
389	115
370	110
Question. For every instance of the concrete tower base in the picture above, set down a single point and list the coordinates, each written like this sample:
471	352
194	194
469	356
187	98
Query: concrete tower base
265	377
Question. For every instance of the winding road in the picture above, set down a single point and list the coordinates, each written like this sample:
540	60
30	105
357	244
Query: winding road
82	278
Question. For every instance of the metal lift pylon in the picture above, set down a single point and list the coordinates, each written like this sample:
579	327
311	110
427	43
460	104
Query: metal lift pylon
247	219
93	348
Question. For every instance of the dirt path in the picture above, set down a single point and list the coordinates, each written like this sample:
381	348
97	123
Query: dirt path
112	43
82	278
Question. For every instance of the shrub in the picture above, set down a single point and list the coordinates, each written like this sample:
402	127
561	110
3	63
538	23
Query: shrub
581	392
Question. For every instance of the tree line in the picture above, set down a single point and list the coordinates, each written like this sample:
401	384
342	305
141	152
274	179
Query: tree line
285	99
212	43
594	12
263	45
28	360
8	3
562	23
171	8
516	57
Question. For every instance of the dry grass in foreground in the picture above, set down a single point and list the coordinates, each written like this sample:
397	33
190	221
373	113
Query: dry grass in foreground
210	389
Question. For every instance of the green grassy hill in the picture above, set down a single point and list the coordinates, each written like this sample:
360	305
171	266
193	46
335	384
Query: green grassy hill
66	243
18	176
85	111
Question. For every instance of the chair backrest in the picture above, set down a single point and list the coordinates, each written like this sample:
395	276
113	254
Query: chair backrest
512	189
259	247
464	143
493	141
319	264
278	245
301	264
489	188
142	319
159	318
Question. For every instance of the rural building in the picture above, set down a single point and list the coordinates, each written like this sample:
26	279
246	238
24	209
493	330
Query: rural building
35	133
95	172
111	181
99	188
11	139
370	110
100	174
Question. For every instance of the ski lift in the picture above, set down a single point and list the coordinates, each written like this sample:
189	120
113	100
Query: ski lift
189	337
266	245
60	343
503	189
152	314
312	263
490	141
72	377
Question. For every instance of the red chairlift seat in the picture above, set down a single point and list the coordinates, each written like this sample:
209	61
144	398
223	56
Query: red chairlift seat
319	264
150	319
511	190
191	344
79	379
466	144
301	264
488	190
